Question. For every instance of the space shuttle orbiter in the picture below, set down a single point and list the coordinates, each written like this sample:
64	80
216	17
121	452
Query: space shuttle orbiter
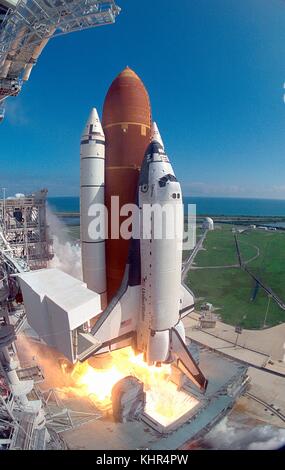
147	310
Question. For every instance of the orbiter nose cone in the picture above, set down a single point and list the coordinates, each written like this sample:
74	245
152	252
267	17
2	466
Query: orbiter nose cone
155	134
93	124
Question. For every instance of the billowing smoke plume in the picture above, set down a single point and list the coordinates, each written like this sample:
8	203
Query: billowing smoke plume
67	255
236	436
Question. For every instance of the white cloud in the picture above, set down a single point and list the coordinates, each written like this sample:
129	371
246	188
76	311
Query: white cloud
235	435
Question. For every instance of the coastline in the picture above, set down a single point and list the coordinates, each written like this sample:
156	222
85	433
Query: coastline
222	219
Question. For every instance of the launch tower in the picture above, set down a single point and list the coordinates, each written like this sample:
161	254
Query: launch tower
24	228
27	25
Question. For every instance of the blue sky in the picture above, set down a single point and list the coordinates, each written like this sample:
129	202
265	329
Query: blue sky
214	70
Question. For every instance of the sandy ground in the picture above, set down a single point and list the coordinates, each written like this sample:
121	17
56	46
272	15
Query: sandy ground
268	387
263	348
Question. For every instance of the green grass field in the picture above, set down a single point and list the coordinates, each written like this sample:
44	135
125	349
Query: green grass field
219	250
270	265
231	290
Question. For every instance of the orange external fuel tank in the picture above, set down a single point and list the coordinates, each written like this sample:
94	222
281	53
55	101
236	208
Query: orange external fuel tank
127	128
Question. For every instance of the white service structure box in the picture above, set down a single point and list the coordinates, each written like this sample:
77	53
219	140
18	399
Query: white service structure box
56	306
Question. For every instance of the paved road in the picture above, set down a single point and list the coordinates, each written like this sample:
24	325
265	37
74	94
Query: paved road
223	339
189	261
216	267
255	256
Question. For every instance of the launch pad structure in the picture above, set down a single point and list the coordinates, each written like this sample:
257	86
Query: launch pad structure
24	235
76	422
228	380
29	418
24	245
27	25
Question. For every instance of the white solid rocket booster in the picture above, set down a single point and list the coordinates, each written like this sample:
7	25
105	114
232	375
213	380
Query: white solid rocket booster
92	193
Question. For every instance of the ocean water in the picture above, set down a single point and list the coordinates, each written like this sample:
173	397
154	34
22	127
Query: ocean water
64	204
237	206
204	206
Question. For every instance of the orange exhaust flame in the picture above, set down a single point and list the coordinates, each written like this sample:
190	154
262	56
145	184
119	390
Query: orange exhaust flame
163	401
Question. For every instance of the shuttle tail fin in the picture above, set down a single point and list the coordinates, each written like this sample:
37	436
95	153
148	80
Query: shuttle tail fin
185	361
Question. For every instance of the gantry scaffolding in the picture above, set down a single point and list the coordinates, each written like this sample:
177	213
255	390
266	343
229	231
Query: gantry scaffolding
24	234
23	425
27	25
31	418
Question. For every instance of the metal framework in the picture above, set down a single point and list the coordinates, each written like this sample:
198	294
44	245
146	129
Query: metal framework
26	29
25	236
18	428
61	418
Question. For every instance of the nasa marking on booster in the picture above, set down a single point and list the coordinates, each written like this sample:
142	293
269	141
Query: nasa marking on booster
146	459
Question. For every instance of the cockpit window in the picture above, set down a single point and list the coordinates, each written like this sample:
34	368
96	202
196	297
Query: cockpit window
164	179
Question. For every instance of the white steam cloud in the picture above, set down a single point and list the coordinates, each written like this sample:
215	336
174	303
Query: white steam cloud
236	436
67	255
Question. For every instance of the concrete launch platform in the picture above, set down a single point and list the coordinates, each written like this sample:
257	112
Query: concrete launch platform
227	381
